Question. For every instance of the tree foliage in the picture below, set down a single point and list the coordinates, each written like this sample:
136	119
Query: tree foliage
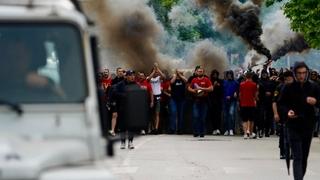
162	9
304	18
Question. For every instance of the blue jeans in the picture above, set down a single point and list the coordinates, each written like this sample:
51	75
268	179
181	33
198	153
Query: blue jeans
199	113
229	112
176	114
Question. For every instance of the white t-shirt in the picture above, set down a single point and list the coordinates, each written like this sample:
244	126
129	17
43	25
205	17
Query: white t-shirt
156	85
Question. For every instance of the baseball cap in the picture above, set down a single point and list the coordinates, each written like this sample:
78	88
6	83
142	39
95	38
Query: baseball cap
129	72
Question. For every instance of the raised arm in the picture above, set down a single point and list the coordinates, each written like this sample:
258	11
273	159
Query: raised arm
151	75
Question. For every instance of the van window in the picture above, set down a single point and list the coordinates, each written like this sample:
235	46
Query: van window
41	63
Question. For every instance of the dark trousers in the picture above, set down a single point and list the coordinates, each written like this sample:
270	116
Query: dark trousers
123	136
199	117
176	115
215	113
300	147
268	119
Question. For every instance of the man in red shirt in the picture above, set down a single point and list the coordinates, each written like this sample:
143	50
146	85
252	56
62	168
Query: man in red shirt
106	79
200	86
248	94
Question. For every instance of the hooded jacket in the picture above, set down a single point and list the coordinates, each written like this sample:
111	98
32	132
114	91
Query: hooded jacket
294	98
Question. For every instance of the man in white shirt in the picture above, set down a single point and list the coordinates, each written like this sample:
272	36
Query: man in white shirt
155	80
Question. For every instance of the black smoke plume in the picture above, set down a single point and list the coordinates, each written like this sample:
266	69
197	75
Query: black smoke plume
241	19
129	30
297	44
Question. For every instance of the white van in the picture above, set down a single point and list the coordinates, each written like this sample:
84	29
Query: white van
49	109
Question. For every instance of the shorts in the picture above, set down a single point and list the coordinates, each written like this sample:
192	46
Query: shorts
156	103
113	107
248	113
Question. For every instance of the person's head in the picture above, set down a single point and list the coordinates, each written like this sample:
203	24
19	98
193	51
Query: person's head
288	77
314	75
120	72
214	74
301	71
178	73
229	75
249	75
105	72
199	72
264	74
141	76
130	76
273	72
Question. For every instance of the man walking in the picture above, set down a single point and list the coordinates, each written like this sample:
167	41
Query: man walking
299	100
120	93
248	94
200	86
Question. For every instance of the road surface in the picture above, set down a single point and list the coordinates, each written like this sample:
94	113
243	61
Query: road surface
183	157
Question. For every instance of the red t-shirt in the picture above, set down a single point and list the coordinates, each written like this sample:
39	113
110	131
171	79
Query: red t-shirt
106	82
202	82
248	91
165	87
145	85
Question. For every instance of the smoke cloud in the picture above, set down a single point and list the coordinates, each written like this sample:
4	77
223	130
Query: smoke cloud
279	38
297	44
257	2
209	56
129	30
241	19
180	15
254	60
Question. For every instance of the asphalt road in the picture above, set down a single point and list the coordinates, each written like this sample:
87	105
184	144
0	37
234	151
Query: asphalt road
183	157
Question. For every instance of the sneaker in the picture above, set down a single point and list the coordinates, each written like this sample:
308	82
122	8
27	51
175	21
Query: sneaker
112	133
214	132
143	132
231	133
218	132
122	145
253	136
201	135
245	136
130	145
226	133
195	135
260	133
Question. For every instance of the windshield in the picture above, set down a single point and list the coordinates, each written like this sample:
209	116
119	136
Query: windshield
41	63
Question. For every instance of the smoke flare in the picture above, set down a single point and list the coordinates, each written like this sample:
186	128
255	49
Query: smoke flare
241	19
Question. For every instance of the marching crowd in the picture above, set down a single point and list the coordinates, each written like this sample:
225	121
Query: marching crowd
265	102
224	102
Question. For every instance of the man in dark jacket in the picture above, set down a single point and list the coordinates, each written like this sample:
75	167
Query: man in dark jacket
215	102
279	116
298	101
119	94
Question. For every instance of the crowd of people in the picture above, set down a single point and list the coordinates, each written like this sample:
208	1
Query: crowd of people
264	102
225	102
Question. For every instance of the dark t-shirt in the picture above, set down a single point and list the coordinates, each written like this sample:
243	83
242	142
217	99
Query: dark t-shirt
116	80
178	89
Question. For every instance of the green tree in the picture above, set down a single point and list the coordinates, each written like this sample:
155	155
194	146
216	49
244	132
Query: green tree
162	9
304	18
